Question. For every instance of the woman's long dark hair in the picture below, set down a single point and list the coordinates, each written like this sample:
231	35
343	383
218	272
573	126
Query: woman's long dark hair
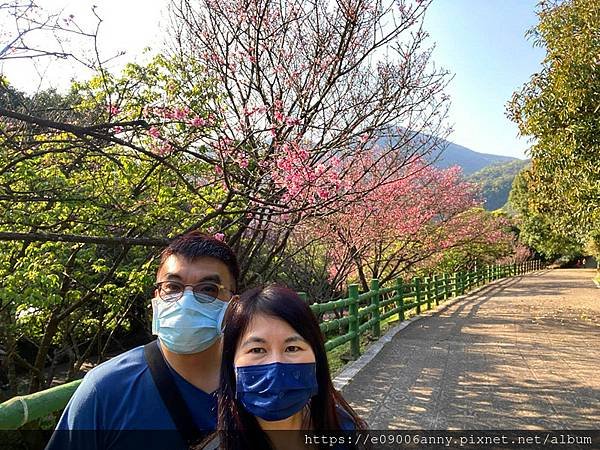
240	429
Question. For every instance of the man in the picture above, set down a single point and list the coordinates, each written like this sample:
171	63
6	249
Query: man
169	385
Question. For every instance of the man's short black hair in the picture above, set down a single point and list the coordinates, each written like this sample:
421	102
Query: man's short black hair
196	244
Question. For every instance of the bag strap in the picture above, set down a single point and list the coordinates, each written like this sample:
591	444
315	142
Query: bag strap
178	409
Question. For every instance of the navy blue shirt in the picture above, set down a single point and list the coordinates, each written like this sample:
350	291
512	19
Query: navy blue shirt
119	396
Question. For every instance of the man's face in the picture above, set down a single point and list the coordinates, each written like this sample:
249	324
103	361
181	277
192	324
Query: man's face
191	272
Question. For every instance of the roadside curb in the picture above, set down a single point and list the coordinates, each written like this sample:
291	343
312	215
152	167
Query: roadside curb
351	369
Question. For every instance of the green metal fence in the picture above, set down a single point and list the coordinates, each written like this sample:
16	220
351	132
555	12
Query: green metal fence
342	321
345	320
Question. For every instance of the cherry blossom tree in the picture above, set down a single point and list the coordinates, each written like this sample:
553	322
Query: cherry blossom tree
411	222
308	87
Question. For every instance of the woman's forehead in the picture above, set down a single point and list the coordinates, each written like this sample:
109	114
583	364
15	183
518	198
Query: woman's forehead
268	327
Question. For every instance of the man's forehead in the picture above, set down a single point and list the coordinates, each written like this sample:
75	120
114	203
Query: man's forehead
177	266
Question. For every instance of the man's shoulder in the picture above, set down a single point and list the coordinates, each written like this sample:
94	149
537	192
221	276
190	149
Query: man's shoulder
119	369
107	392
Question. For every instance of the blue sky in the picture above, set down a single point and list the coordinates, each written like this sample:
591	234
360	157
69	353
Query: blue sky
482	42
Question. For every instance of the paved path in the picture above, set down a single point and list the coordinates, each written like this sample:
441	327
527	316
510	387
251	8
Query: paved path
522	354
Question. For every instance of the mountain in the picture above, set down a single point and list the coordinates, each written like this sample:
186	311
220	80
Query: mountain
496	181
493	173
470	161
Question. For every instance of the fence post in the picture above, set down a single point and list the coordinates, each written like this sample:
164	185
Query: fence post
454	285
400	298
375	301
353	321
417	282
427	289
446	286
436	289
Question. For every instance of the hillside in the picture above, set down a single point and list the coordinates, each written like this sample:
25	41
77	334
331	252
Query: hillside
470	161
496	181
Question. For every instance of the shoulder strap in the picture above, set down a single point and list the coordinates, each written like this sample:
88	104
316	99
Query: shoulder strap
170	395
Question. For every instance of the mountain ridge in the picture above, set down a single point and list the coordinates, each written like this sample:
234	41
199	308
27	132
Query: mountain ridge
469	160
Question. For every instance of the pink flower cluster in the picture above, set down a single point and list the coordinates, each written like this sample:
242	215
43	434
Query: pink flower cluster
113	110
302	181
178	114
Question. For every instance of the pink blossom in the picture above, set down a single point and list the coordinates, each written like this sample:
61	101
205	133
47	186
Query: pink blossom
292	121
165	149
198	121
180	113
322	193
113	110
219	237
154	132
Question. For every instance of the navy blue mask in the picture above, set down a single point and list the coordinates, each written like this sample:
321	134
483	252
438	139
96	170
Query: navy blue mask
275	391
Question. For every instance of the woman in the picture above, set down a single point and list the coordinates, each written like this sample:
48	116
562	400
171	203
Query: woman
275	374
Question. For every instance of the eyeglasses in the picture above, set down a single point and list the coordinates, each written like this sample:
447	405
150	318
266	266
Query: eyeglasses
171	291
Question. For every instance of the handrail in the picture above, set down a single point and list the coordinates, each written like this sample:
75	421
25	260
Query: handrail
19	410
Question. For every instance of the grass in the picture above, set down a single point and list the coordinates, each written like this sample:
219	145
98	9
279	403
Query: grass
340	356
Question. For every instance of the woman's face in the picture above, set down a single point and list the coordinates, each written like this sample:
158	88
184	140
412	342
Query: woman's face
269	339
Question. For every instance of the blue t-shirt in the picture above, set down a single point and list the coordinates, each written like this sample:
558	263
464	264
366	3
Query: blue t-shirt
118	399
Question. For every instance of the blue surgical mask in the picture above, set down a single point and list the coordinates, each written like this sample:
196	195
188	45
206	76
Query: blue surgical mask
187	325
275	391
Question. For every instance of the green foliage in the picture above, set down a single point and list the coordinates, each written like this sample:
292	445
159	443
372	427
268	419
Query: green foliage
592	245
559	108
496	181
66	298
537	229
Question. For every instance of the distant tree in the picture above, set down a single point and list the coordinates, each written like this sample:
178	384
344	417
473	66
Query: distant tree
559	109
535	227
592	247
408	224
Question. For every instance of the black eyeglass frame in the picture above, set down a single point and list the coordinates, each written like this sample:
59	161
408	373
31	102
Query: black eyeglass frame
173	297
